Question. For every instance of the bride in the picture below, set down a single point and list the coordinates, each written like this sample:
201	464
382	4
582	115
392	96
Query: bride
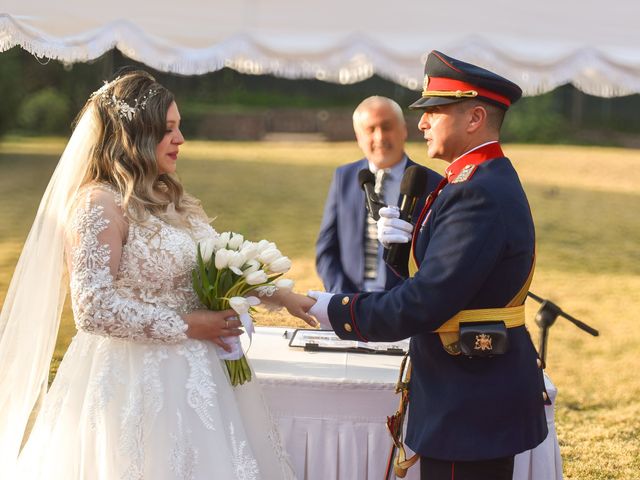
141	392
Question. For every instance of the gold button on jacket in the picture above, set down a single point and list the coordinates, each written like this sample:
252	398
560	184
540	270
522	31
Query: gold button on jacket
345	300
347	328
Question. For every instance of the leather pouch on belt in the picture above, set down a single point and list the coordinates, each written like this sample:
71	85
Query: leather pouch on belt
483	339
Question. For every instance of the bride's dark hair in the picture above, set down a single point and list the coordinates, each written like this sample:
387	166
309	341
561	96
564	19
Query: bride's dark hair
131	114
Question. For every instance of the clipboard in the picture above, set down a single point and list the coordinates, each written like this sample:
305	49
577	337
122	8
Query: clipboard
312	340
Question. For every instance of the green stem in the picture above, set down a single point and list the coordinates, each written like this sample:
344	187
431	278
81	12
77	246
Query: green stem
215	285
239	371
236	289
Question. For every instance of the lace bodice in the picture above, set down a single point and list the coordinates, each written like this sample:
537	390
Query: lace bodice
130	280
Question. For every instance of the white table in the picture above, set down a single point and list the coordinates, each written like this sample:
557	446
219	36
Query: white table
331	408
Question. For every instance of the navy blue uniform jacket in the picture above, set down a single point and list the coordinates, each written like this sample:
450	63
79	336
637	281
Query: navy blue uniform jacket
340	244
475	251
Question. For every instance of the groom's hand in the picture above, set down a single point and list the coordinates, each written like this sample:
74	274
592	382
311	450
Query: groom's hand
299	306
321	308
391	229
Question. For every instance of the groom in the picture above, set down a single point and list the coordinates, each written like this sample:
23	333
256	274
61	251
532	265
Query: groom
476	392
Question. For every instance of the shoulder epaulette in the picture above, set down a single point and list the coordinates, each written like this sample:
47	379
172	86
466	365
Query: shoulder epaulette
465	174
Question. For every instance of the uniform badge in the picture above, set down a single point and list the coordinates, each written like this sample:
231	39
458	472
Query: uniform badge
483	342
425	85
465	174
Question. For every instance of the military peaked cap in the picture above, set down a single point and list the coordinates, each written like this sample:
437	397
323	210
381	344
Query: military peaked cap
447	80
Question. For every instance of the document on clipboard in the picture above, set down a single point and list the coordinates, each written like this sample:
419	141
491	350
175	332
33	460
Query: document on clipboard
327	340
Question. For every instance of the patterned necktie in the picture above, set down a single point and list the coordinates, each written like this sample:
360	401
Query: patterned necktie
371	232
381	176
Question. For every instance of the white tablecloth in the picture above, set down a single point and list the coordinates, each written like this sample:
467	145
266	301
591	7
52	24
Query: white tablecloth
331	409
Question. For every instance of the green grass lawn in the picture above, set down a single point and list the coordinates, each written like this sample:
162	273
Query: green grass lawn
586	204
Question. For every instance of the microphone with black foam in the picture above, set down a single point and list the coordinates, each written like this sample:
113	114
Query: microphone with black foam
412	187
367	181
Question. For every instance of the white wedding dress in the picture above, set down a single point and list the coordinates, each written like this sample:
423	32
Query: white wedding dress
134	398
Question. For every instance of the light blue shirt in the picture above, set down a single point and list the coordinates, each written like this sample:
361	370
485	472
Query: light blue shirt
391	195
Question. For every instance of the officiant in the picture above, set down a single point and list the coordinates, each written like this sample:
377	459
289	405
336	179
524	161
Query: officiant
476	392
348	254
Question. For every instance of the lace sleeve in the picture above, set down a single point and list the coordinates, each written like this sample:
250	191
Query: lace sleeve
94	244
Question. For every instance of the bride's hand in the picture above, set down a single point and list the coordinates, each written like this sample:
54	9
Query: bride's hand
298	306
213	326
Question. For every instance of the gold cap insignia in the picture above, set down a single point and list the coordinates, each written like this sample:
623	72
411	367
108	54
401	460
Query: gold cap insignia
425	84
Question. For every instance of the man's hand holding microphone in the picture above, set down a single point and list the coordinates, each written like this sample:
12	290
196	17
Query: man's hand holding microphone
391	228
394	231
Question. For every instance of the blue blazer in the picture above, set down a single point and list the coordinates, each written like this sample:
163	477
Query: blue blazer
340	244
474	250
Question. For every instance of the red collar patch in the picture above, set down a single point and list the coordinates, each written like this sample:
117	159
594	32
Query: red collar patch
474	157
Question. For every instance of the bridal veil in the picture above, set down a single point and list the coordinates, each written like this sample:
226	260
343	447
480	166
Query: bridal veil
31	312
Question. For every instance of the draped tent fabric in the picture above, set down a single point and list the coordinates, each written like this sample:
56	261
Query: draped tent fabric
540	45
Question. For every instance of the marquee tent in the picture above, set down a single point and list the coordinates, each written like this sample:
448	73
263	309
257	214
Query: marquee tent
539	44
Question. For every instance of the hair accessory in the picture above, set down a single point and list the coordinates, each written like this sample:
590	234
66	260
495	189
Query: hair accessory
124	109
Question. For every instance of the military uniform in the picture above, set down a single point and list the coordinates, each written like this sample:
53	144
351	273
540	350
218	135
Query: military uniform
474	250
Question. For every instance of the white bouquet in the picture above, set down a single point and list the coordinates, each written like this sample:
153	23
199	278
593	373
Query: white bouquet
228	268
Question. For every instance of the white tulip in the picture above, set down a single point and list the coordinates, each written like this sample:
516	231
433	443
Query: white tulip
256	278
223	256
236	241
269	256
249	250
284	284
237	259
253	301
281	265
222	240
236	270
252	266
206	249
239	304
265	245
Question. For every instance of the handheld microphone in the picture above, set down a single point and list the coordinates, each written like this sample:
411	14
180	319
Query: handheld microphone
367	182
412	187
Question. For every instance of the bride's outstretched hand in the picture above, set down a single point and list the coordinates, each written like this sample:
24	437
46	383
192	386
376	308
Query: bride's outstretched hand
298	306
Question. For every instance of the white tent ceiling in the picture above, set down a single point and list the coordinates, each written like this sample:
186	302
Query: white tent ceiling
540	44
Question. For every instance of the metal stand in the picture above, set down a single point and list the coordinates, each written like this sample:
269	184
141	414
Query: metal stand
546	317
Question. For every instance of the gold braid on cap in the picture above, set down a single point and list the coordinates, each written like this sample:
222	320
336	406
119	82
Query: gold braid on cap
449	93
445	93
